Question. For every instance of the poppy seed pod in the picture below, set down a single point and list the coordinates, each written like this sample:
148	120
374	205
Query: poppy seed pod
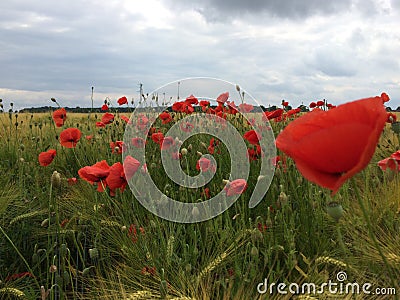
335	210
56	179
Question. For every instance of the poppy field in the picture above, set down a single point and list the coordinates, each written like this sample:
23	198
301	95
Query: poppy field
78	220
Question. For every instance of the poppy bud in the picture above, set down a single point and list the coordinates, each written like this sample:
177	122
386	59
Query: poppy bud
254	251
22	160
335	210
53	269
188	267
190	147
123	228
93	253
56	179
225	181
195	211
66	276
283	198
256	235
184	151
86	271
238	88
199	154
45	223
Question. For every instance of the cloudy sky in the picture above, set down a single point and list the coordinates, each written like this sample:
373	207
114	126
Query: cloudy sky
300	51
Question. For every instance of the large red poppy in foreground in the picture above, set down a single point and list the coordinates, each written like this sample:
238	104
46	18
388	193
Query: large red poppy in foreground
329	147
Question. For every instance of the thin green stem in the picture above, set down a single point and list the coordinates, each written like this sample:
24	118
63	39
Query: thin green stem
20	255
371	232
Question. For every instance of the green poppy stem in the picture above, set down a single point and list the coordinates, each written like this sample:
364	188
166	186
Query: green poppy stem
372	234
20	255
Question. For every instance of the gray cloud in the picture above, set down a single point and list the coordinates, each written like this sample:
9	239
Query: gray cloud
223	10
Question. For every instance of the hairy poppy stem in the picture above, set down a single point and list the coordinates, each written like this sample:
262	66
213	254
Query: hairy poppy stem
371	232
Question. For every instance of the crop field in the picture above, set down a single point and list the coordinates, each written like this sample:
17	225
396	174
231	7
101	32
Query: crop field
78	219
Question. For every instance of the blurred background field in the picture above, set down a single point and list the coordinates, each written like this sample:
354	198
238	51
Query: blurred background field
81	244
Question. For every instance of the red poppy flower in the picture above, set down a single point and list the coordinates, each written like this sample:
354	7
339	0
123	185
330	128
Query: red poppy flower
72	181
131	165
122	100
132	233
206	193
204	103
70	137
391	118
177	106
89	137
254	154
104	107
138	142
176	155
293	112
46	158
279	161
392	162
116	147
330	106
320	103
205	165
221	99
385	97
245	107
116	177
331	146
213	143
252	137
157	137
125	118
59	116
100	124
285	103
236	187
165	117
313	104
107	118
96	174
142	122
167	142
269	115
192	100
